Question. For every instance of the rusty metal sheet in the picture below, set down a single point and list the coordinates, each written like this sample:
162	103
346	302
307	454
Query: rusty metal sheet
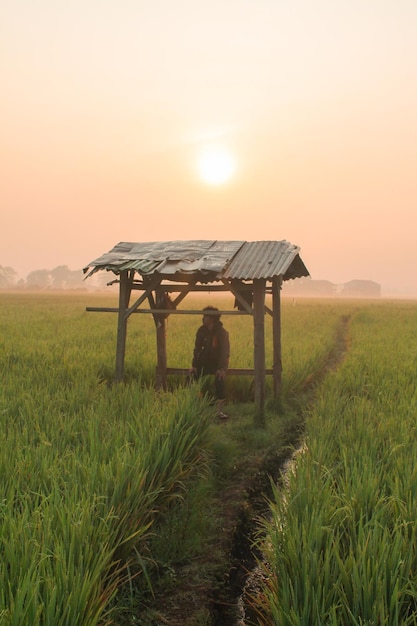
211	259
204	258
169	257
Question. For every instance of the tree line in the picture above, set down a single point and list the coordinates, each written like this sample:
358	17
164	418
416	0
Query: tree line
61	277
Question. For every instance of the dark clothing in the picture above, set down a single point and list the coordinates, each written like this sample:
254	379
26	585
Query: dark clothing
211	353
211	349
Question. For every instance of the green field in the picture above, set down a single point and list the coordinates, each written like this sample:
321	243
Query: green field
105	487
342	542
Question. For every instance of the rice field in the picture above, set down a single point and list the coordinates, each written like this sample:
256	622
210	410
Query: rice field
341	545
84	466
87	467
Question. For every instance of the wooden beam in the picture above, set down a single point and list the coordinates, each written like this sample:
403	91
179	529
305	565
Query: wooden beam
124	296
232	371
161	343
238	296
276	335
139	285
171	311
194	287
187	288
179	299
161	355
259	349
152	284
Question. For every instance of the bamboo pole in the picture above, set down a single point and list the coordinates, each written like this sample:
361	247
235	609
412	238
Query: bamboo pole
124	296
161	352
161	342
276	335
259	349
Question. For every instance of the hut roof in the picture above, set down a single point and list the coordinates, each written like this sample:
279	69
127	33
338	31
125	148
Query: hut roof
204	260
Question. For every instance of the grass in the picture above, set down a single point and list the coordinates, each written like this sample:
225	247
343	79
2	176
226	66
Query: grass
341	542
107	484
84	467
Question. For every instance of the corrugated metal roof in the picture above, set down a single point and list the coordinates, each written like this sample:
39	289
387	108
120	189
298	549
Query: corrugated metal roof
207	260
261	259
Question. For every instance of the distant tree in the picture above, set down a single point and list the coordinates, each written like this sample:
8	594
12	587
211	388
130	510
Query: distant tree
38	279
60	276
75	280
8	276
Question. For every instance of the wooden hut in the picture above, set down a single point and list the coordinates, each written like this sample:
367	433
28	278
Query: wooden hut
164	273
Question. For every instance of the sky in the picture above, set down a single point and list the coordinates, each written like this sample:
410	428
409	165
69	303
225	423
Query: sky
107	108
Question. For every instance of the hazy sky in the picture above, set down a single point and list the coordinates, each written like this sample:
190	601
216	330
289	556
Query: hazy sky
106	107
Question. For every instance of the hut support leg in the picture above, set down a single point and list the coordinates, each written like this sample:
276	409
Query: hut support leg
161	368
276	332
124	296
259	349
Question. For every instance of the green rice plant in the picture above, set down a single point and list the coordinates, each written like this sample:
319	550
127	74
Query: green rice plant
181	533
341	542
85	467
86	540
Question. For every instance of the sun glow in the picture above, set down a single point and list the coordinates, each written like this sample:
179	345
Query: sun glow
216	166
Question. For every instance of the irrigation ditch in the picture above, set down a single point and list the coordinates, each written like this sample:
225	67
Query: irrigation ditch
233	605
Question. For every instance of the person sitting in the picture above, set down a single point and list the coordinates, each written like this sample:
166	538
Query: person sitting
211	354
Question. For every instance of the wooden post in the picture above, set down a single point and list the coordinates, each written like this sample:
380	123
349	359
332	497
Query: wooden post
276	335
124	296
161	301
259	349
161	351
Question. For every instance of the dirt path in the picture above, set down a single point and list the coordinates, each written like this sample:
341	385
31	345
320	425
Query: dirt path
214	601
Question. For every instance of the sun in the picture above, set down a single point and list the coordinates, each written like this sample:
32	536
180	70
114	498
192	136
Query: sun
216	165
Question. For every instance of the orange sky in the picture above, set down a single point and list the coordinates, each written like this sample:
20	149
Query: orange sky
107	105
